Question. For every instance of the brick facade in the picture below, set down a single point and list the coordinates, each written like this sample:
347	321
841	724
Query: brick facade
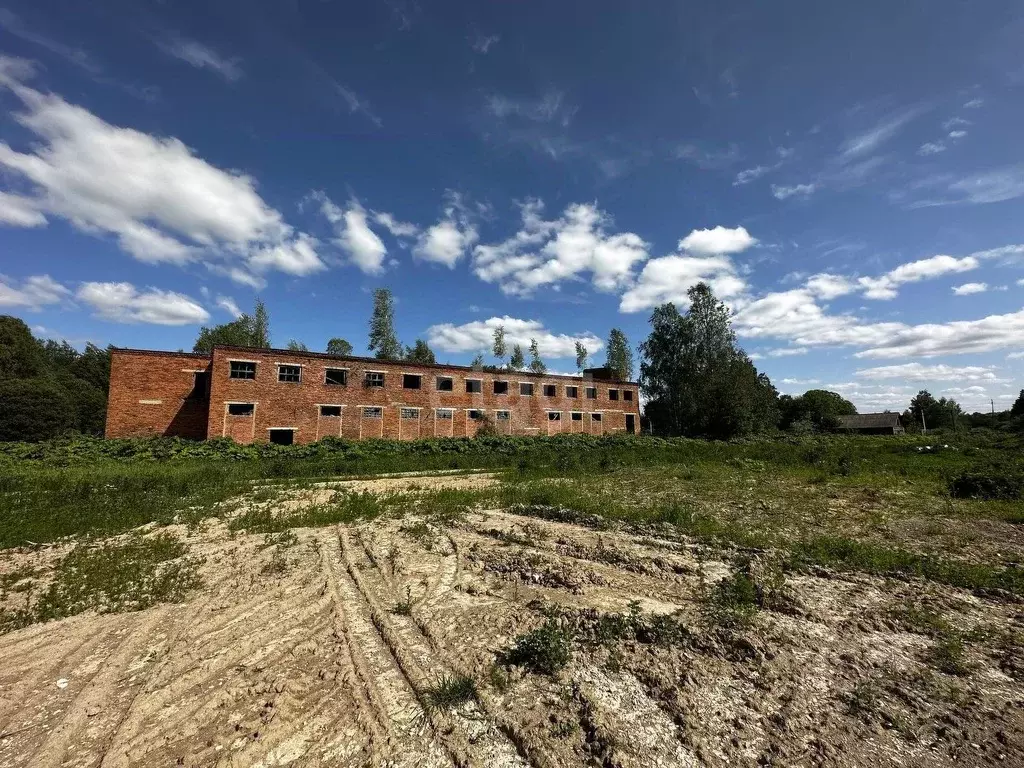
392	410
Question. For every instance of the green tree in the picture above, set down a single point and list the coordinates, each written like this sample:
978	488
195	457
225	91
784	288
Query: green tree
500	348
1017	409
478	363
696	380
93	366
34	409
21	356
296	346
339	347
817	407
620	356
581	356
420	353
247	331
536	364
518	361
383	341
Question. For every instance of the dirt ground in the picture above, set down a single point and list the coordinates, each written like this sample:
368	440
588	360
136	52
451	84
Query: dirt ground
295	654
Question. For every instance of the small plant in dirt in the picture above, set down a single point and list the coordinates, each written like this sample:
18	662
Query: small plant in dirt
544	650
732	602
421	533
283	540
404	606
499	678
448	692
947	655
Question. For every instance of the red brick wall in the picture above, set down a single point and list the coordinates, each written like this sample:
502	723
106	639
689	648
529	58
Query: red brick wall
286	405
150	395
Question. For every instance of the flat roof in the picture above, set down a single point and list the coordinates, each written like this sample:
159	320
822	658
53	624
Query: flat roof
367	361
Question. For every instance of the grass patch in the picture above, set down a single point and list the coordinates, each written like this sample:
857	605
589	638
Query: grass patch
545	650
112	577
449	692
948	655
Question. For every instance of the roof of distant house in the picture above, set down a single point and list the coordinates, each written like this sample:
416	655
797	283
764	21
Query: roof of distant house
870	421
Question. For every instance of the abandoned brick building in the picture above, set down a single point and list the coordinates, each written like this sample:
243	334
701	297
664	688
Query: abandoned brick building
281	396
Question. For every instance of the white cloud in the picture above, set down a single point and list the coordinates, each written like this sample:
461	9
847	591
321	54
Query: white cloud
356	104
162	202
749	175
228	305
549	252
940	372
957	134
1015	356
955	122
394	226
885	287
361	244
34	293
991	186
295	257
478	336
482	43
708	158
550	107
800	382
19	212
447	241
783	192
202	57
931	148
1020	282
870	140
786	352
669	278
719	241
968	288
123	303
974	103
829	286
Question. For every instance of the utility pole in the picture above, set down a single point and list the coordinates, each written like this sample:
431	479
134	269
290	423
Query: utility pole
924	427
993	407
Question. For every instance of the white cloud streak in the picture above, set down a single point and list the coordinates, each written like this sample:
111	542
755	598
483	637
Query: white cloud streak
124	303
478	336
34	293
970	288
202	56
941	372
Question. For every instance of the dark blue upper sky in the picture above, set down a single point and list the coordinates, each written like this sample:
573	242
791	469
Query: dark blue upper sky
849	178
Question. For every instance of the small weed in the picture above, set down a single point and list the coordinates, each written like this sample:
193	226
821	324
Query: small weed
283	540
545	650
863	700
947	655
448	692
499	678
404	607
732	602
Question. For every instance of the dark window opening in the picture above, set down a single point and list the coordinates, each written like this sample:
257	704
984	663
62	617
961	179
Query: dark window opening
337	377
282	436
241	370
374	379
550	390
595	417
474	386
373	413
503	415
627	395
411	381
613	394
501	387
241	409
475	415
445	413
200	386
554	416
444	384
289	374
330	410
525	388
577	417
592	393
572	392
410	413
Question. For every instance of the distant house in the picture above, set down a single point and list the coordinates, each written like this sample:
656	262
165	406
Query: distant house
872	424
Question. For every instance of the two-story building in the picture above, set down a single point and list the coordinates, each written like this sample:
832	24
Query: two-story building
283	396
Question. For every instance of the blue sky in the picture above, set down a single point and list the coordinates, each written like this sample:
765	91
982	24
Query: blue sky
849	178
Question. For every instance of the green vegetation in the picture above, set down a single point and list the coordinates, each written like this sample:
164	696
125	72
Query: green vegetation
448	692
111	577
544	650
247	331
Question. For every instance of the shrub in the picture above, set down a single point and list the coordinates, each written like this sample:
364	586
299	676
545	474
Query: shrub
998	483
545	650
34	409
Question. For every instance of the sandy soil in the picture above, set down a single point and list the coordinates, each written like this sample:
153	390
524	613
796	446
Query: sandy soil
308	665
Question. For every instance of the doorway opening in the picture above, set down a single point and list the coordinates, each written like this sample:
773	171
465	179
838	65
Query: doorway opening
630	423
282	436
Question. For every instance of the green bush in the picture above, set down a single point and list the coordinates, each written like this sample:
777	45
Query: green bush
995	483
34	409
545	650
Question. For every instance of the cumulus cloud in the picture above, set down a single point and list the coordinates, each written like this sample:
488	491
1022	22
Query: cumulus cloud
361	244
751	174
449	239
968	288
829	286
162	202
886	287
786	352
124	303
34	293
931	148
478	336
941	372
719	241
202	56
394	226
802	190
228	305
547	252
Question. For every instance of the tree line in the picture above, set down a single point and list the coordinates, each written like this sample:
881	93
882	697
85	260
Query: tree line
695	379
